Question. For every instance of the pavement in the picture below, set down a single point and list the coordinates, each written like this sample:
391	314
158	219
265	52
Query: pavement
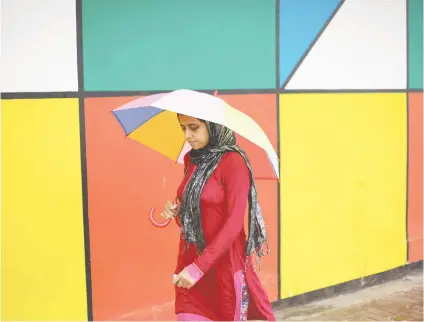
398	300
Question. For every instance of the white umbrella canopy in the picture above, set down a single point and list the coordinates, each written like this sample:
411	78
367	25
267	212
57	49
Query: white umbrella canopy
151	121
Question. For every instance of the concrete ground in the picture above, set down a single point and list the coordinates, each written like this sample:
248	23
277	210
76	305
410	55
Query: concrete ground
398	300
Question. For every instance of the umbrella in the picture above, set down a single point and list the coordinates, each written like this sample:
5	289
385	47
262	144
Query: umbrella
151	120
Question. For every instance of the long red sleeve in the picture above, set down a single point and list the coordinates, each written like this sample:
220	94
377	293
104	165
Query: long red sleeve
236	183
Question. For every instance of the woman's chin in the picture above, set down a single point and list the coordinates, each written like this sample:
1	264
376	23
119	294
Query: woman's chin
197	147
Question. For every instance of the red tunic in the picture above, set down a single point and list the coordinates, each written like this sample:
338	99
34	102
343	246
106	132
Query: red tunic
221	292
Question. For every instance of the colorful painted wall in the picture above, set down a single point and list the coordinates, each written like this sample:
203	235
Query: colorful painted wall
337	86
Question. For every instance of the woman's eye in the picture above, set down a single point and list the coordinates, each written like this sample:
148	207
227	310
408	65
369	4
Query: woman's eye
194	128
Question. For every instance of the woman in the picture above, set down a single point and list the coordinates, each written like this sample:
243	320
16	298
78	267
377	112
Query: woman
214	278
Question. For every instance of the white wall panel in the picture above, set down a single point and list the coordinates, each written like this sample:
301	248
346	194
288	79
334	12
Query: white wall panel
39	52
363	47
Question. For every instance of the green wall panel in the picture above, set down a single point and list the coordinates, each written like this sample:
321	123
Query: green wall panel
415	41
169	44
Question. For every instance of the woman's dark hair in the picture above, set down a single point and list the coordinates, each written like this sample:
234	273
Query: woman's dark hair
178	115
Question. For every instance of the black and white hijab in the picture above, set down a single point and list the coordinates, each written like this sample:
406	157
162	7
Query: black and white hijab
221	140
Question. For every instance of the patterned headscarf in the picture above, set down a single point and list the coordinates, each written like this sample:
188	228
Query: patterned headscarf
221	140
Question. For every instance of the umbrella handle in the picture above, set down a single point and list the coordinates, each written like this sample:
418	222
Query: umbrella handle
155	223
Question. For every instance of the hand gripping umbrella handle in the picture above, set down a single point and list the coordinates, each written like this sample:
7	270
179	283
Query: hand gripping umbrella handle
155	223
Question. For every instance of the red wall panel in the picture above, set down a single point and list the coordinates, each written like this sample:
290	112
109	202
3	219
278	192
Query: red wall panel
415	177
131	261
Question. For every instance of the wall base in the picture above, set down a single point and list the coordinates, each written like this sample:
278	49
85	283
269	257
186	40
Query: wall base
350	286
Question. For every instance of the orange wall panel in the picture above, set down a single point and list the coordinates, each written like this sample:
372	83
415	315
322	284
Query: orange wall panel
132	262
415	178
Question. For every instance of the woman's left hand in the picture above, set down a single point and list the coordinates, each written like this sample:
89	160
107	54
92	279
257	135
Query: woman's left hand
184	280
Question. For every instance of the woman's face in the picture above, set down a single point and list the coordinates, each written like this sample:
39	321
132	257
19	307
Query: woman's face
195	131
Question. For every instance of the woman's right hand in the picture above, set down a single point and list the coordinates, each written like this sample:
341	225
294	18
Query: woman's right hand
171	209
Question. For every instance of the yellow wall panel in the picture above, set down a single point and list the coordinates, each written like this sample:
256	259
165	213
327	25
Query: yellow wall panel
343	187
43	267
